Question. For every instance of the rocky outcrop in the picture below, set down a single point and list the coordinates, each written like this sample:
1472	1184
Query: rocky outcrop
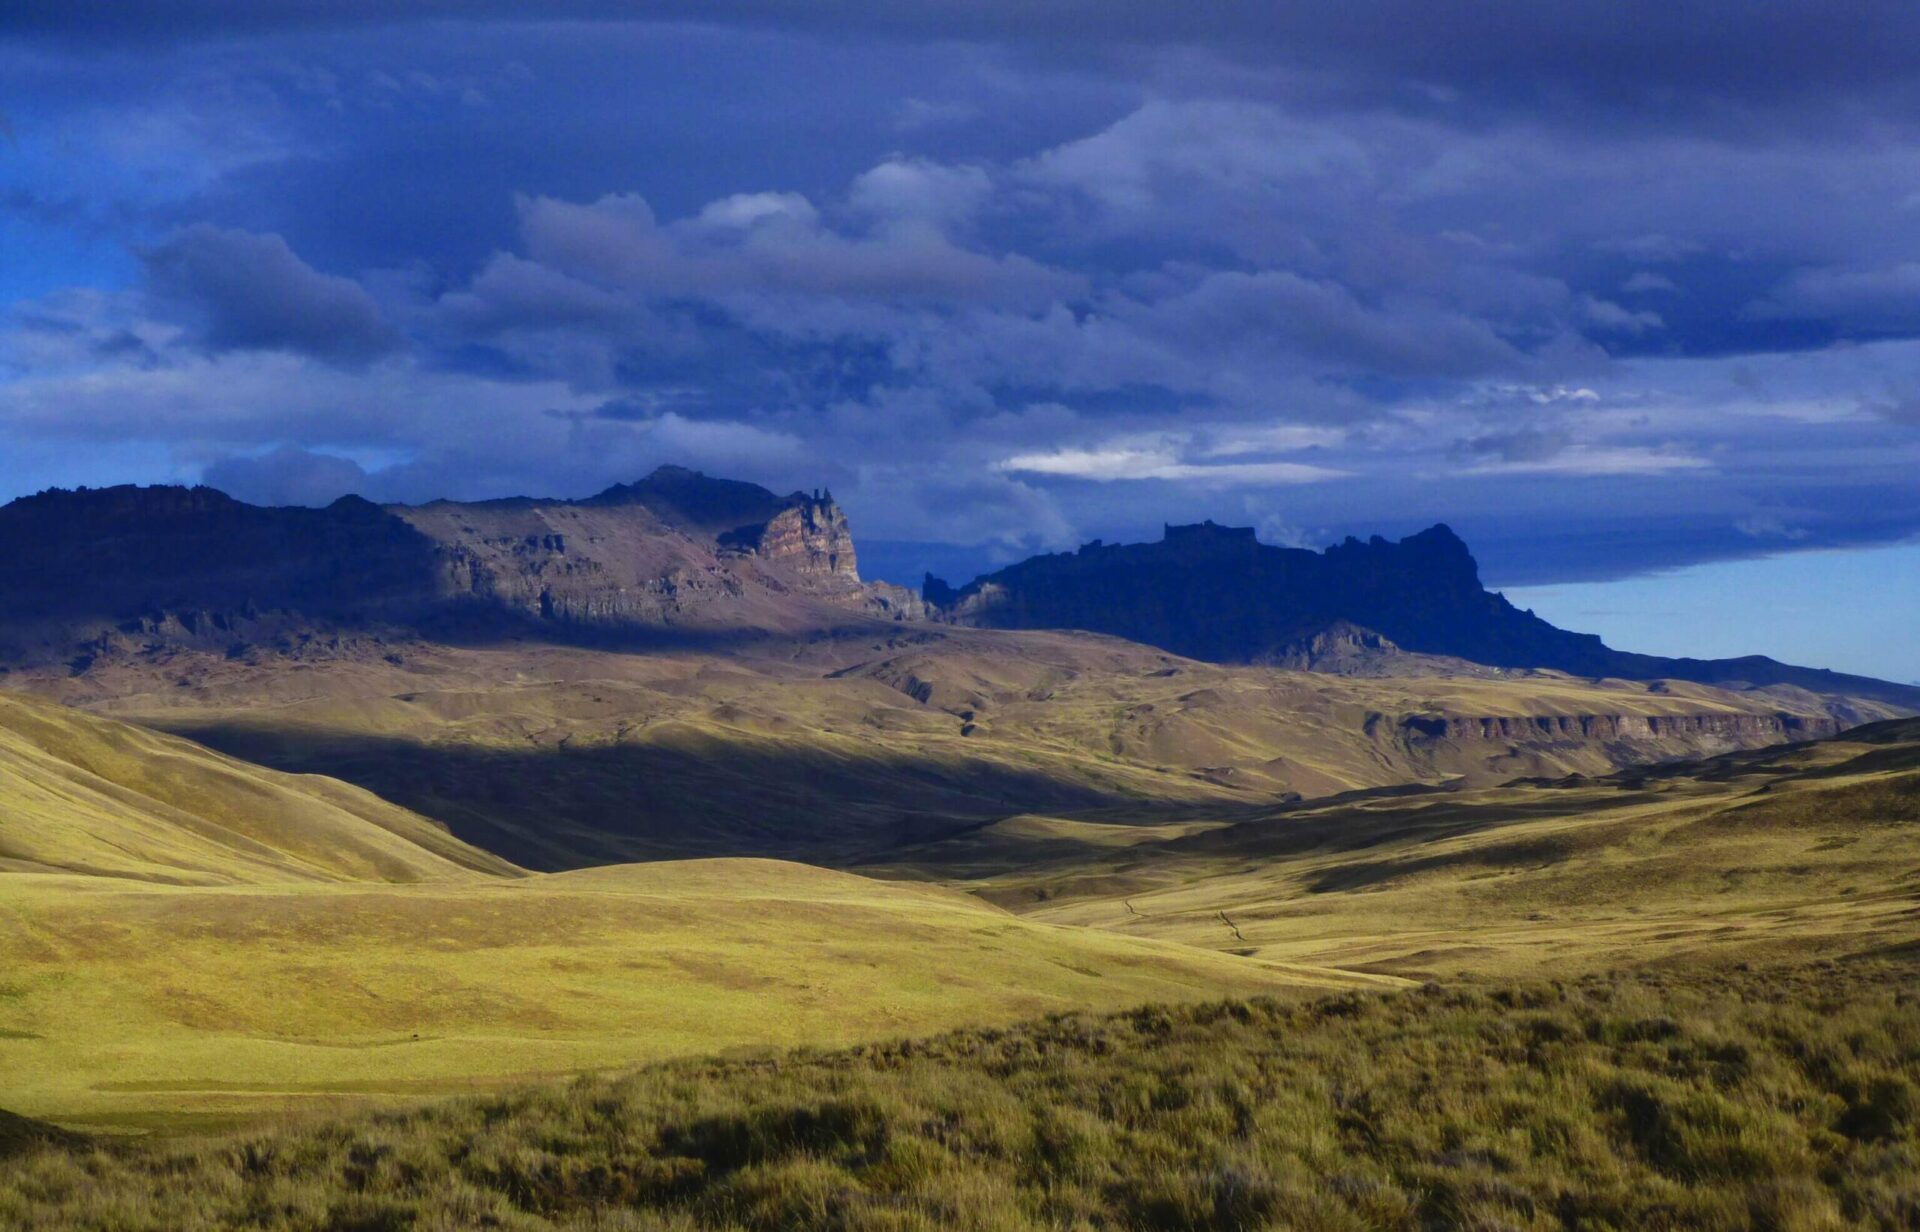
1217	593
810	537
121	570
1345	649
1706	730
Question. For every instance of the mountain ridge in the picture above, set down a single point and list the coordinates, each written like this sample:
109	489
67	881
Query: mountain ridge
1215	592
118	570
682	559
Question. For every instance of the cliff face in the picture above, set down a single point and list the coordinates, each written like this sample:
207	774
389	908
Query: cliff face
90	572
810	537
1216	593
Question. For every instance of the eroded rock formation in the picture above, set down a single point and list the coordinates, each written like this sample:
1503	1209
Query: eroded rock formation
87	573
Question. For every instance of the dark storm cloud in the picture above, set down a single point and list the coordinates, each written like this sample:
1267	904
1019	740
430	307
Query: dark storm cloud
1601	47
1608	287
242	292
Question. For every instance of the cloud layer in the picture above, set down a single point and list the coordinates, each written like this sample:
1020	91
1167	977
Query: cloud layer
1608	287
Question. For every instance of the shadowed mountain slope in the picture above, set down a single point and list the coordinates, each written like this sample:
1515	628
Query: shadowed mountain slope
1217	593
838	752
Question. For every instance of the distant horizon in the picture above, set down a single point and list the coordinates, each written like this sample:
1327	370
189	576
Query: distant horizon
1677	612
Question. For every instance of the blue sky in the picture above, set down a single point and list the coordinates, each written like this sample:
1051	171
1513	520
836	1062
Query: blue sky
1848	609
1628	293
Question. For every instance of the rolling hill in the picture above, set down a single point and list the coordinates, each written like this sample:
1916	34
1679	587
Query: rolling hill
184	937
83	794
1782	853
840	751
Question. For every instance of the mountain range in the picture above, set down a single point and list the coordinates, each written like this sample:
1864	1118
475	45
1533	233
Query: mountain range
680	558
1217	593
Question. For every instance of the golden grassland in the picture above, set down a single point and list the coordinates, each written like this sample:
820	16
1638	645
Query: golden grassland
1785	1099
187	939
1681	996
1800	850
840	751
149	1005
129	1001
82	795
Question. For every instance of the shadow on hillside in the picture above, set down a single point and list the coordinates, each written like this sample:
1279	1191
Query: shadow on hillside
558	808
478	625
1358	829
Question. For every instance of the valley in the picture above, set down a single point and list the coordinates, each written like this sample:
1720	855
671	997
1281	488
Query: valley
494	830
840	751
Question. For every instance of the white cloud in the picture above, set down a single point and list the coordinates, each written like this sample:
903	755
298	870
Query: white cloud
920	190
1163	459
1611	317
1595	460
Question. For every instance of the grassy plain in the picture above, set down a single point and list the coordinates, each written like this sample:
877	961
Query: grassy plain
1783	1100
148	1005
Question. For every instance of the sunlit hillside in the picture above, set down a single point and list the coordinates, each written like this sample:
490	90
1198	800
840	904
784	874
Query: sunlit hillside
841	751
1775	854
81	794
166	966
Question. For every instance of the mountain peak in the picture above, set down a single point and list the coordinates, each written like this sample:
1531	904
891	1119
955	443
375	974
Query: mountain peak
1208	535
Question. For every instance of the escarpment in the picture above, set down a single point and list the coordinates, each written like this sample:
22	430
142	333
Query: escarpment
679	557
90	573
1741	730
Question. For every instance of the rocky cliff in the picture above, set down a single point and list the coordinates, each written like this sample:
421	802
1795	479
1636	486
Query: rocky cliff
123	569
1217	593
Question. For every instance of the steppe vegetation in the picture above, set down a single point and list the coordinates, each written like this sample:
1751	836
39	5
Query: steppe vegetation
1781	1099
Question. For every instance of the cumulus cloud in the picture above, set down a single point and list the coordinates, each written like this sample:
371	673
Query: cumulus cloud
919	190
1770	526
990	295
1613	318
776	243
1646	282
237	291
1326	322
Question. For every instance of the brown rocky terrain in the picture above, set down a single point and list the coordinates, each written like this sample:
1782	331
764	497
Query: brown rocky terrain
122	572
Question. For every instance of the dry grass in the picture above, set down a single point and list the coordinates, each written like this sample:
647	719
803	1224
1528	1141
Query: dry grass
1788	1100
1793	852
136	1004
838	752
83	794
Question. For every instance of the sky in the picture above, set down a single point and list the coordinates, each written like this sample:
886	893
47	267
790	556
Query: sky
1627	292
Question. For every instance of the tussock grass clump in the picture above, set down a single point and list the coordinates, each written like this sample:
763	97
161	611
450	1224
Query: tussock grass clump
1784	1100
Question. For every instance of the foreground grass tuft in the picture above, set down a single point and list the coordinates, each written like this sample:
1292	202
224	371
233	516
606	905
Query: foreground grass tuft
1782	1100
